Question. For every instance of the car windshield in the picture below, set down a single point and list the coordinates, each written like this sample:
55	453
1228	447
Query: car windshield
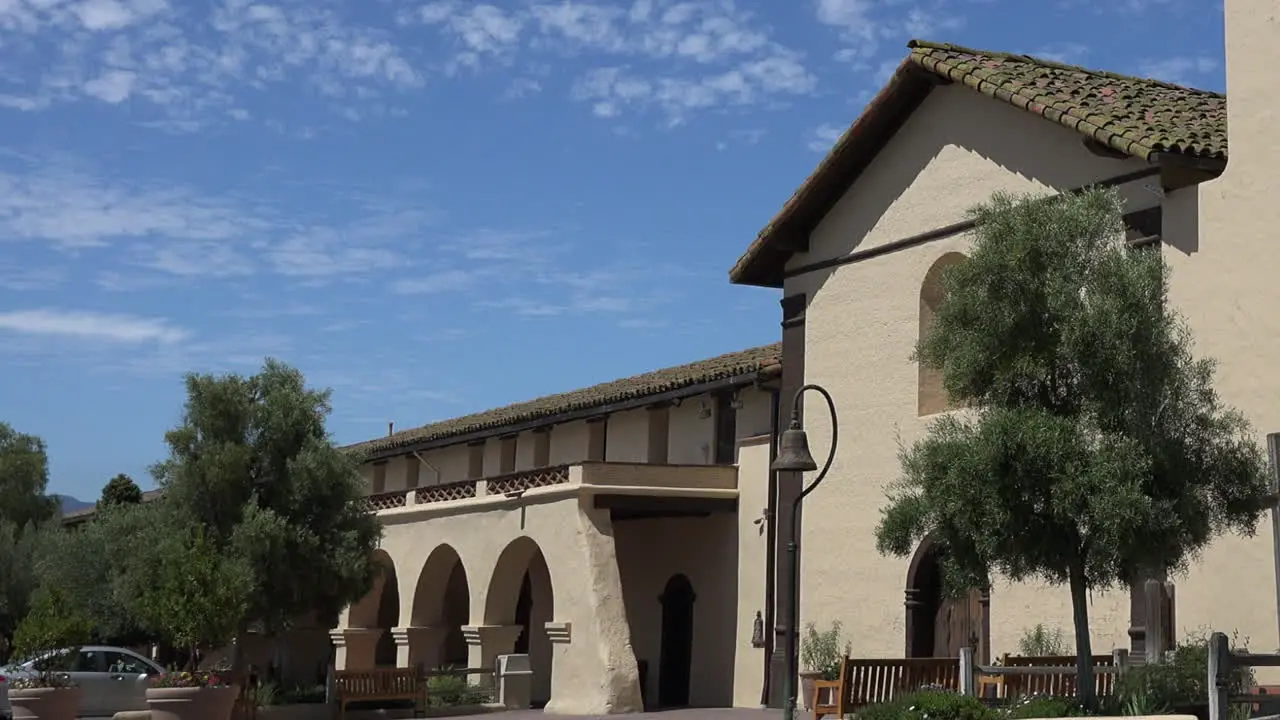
40	662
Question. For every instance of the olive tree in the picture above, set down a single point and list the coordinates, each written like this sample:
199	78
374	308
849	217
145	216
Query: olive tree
252	465
1092	448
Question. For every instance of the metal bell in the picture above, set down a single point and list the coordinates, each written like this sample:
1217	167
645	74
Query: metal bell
793	451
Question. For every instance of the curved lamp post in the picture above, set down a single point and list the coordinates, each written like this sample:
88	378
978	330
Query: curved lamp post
794	456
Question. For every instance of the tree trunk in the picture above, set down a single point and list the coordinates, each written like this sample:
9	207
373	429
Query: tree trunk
1084	650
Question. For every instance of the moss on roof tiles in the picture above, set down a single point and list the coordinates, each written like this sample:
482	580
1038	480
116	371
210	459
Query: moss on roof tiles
763	359
1133	115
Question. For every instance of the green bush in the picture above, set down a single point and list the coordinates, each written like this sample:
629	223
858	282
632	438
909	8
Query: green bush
1041	641
52	633
452	691
302	694
929	705
1044	706
1178	682
823	652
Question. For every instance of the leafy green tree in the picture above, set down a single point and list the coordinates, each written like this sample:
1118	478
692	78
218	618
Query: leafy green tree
93	563
52	628
195	595
24	509
24	478
252	465
17	578
120	490
1095	449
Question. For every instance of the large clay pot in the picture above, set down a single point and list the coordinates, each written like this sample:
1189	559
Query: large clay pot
46	703
191	703
807	680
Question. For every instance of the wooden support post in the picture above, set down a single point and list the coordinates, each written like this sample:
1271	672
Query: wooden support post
968	673
1154	609
1273	452
1120	659
1219	680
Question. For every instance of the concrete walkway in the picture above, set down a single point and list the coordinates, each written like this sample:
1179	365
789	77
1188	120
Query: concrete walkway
678	714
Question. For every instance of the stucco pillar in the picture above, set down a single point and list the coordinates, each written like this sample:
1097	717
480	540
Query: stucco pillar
594	665
487	642
419	646
356	647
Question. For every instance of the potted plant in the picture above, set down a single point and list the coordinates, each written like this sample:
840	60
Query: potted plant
51	636
196	598
821	655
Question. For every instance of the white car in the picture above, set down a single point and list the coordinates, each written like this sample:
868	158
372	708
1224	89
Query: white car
114	679
6	710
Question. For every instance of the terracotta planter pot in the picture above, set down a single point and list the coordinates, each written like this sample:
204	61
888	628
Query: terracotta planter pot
806	689
46	703
199	703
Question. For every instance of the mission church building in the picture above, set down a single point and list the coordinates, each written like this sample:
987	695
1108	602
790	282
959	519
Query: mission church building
627	536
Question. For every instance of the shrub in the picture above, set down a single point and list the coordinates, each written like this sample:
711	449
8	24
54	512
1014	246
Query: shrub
1041	641
52	634
1044	706
929	705
302	694
822	652
1178	682
452	691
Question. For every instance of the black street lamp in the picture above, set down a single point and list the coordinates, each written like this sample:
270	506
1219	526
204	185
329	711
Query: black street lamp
794	456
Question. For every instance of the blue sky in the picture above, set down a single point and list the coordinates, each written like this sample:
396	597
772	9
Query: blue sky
431	208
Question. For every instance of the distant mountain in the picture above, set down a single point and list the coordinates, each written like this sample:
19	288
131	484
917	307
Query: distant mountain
70	504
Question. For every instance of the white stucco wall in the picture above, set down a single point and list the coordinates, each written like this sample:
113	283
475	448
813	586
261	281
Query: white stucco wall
861	327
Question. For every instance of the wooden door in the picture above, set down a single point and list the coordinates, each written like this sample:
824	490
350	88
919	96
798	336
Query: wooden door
957	624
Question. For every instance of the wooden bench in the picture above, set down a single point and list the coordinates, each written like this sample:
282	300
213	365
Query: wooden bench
866	681
379	684
1060	684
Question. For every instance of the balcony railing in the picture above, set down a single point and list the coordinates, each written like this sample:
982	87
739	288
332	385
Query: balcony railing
527	480
447	492
654	478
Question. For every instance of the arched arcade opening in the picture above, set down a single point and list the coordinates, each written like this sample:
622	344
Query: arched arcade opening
520	594
379	609
441	603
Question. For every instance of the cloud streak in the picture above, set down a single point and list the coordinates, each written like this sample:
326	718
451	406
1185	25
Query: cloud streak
91	326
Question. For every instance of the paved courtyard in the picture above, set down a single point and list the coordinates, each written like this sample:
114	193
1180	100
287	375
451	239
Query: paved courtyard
680	714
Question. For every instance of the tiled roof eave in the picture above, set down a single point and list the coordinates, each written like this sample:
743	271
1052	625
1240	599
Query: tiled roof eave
1066	117
724	371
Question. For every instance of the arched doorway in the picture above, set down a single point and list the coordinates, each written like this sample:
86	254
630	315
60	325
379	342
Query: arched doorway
520	593
442	599
379	608
675	659
938	624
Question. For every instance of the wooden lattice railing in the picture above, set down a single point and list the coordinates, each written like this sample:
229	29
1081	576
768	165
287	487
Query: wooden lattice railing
527	479
446	492
385	501
499	485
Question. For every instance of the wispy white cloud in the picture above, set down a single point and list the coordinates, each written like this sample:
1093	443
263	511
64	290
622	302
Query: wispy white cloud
152	231
823	137
674	57
864	27
437	282
192	64
91	326
1182	70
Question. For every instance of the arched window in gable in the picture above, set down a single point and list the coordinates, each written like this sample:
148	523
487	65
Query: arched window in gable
931	395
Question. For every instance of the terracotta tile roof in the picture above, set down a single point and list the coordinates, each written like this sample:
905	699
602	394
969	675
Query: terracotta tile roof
1135	116
763	361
